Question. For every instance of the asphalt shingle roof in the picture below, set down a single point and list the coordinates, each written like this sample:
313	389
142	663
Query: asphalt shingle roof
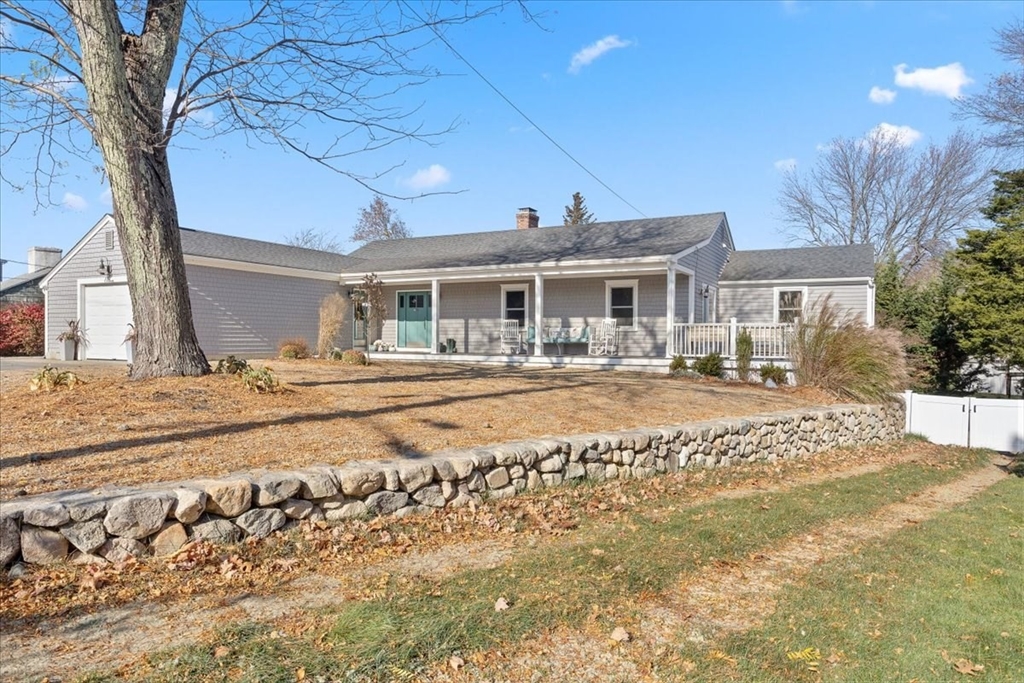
214	245
856	260
24	279
608	240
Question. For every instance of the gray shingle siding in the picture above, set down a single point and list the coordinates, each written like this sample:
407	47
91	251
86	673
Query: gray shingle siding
248	314
756	303
707	262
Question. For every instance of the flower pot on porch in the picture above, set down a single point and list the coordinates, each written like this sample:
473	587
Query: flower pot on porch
67	349
129	351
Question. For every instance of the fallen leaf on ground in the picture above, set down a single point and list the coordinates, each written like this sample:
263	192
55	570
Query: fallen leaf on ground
967	667
501	604
221	651
456	663
300	674
620	635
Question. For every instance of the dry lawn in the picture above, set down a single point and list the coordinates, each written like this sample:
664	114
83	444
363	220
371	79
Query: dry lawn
113	431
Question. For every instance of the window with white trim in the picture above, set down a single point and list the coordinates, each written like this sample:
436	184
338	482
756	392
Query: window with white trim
789	305
621	302
514	303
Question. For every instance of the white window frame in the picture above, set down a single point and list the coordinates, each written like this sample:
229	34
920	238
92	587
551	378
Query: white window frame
622	284
775	300
525	289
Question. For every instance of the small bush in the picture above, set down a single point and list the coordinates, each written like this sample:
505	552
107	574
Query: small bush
49	378
333	311
21	330
678	364
353	357
260	380
838	353
231	366
775	373
710	365
293	348
744	353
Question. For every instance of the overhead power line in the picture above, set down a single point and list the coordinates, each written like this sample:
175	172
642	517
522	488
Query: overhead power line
512	104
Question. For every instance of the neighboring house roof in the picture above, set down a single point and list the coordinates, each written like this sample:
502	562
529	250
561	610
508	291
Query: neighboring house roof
15	283
648	237
804	263
228	247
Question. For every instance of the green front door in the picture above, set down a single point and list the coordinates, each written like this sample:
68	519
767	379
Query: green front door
414	320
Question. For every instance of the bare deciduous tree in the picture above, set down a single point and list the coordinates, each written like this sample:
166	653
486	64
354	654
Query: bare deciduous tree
81	76
878	190
311	238
379	221
1001	105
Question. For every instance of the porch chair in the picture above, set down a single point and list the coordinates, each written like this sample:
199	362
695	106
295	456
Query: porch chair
511	342
603	342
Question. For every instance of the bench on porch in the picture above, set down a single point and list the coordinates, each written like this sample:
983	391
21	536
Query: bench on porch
560	336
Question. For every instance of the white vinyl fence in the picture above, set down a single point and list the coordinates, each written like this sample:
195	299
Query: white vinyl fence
996	423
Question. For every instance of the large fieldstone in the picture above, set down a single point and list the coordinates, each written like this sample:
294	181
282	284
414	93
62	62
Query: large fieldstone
360	481
296	508
86	536
84	510
317	484
190	505
122	549
137	516
10	540
355	509
48	515
497	478
415	475
430	496
169	539
271	489
42	546
216	530
386	502
261	522
229	497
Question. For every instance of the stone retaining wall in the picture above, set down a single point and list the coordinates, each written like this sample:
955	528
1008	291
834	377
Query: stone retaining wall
116	523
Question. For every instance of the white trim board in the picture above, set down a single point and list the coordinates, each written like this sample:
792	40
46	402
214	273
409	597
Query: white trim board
813	282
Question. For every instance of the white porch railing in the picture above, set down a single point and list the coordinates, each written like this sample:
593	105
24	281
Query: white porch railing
700	339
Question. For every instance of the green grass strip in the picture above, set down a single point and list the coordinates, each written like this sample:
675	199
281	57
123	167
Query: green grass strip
637	555
953	585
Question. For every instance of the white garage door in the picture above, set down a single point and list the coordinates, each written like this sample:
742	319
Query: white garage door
106	313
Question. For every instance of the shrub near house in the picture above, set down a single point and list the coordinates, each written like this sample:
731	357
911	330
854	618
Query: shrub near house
21	330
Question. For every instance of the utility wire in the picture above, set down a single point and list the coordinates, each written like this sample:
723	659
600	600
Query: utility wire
22	263
520	111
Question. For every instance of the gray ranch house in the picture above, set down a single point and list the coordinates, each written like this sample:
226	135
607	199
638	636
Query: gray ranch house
624	294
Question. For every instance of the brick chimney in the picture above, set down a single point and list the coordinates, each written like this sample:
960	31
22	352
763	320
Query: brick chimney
43	257
527	218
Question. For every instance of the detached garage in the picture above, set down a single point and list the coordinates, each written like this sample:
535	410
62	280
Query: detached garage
247	295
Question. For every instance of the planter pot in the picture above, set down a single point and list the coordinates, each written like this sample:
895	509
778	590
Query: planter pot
129	350
67	350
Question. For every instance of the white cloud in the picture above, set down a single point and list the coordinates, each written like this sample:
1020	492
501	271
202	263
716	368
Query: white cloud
881	95
591	52
106	197
942	80
785	165
905	135
428	178
74	202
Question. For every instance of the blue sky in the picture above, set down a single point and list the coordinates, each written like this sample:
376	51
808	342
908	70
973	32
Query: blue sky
679	107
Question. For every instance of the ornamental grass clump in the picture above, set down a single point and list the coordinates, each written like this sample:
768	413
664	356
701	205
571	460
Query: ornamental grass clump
333	311
840	354
744	354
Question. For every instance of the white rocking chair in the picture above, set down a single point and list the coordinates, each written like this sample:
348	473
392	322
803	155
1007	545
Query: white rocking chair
603	343
511	341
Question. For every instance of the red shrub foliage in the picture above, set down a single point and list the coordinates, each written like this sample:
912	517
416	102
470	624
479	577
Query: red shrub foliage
21	330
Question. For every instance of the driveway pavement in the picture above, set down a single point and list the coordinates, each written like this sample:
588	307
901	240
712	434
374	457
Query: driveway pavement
33	363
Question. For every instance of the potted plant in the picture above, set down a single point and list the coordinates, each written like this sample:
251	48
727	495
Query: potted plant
70	339
129	343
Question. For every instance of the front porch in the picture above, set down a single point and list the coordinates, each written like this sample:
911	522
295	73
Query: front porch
631	364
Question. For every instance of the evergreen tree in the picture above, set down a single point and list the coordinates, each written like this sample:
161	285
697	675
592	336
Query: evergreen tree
577	213
988	304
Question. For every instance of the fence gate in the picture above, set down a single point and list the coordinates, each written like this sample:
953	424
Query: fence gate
976	422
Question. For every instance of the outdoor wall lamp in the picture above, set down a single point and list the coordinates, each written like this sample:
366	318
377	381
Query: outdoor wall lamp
105	270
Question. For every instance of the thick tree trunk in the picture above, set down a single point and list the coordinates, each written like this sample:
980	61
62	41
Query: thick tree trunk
125	77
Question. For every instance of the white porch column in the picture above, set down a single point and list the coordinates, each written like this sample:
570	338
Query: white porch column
435	315
670	309
692	293
538	314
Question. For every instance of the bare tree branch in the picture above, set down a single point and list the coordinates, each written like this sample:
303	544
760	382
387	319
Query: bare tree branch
1001	105
878	190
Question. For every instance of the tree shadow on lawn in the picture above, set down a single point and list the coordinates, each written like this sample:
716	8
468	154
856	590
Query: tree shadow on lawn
455	374
221	430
